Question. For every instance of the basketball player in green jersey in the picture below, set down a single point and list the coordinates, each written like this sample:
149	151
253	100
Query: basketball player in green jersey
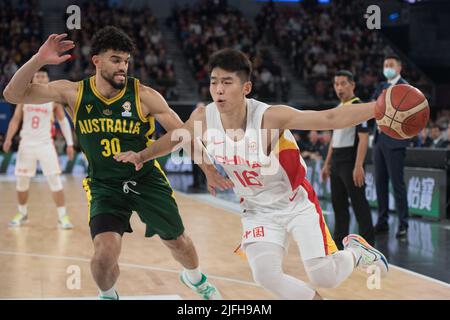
113	113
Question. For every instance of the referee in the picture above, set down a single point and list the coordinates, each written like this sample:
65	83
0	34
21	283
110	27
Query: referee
345	167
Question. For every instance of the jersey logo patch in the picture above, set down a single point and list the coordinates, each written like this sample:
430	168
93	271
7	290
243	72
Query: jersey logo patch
127	107
89	107
107	112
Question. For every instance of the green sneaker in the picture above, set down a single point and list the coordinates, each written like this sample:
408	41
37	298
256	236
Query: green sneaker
108	298
204	289
17	220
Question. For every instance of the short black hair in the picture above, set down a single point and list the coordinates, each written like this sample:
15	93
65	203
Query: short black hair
43	69
111	38
393	56
435	125
232	60
345	73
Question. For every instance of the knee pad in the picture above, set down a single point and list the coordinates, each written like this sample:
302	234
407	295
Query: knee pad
322	272
54	181
23	183
330	271
265	261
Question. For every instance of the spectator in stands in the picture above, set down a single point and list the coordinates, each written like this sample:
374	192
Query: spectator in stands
437	138
325	137
313	147
422	140
200	38
150	61
21	34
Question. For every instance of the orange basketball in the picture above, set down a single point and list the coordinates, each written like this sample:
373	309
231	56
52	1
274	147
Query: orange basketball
401	111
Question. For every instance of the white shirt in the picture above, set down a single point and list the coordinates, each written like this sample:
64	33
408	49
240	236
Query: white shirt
37	124
394	80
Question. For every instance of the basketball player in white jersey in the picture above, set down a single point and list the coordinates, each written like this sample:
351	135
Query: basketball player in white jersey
269	178
35	145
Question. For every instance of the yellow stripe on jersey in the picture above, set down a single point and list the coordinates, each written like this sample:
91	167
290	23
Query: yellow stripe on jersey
88	196
77	103
138	101
158	166
331	245
101	97
284	143
150	131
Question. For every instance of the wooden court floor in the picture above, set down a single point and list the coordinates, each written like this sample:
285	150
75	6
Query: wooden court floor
37	260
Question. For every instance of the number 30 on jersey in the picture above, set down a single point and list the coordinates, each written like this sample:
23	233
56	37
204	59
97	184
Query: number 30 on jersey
111	147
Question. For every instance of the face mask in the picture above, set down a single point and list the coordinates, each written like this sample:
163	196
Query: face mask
389	73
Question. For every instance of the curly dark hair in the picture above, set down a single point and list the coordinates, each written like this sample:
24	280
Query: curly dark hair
233	61
112	38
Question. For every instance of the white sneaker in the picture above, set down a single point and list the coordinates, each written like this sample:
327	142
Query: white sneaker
204	289
100	297
64	223
369	255
18	220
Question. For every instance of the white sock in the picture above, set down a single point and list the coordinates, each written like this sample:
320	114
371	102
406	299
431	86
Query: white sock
61	211
111	293
194	275
23	209
356	254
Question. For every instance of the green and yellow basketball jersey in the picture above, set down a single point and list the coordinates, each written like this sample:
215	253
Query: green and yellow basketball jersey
106	127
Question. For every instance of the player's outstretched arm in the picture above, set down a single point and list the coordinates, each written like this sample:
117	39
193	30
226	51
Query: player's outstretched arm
173	140
21	90
284	117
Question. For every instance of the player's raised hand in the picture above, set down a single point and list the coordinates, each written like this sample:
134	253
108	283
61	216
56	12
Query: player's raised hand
132	157
53	49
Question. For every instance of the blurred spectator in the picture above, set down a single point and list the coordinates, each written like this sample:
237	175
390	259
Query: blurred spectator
60	143
325	137
313	148
149	62
436	135
318	40
422	140
21	35
212	25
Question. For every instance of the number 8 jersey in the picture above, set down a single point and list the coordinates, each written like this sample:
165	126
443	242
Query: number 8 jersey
37	124
264	183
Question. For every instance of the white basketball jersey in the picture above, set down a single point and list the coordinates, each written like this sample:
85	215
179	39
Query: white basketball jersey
37	124
263	183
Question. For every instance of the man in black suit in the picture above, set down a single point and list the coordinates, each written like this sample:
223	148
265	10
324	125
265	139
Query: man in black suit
389	160
437	139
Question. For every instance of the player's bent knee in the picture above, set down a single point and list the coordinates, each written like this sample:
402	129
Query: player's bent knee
266	277
322	272
55	183
179	243
23	184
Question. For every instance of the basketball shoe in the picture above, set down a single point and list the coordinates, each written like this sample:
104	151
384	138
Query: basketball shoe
18	220
368	255
204	289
